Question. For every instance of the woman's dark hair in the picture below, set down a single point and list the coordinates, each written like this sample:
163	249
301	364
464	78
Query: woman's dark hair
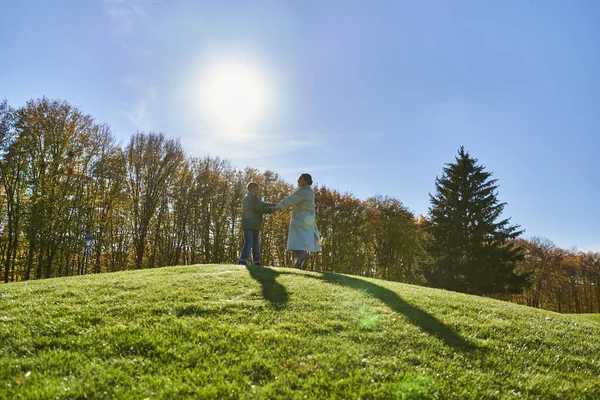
307	178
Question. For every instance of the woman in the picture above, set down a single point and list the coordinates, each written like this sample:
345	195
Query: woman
303	234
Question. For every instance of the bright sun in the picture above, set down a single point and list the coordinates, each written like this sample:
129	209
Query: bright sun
234	96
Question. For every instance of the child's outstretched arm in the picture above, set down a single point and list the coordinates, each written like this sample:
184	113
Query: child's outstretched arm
262	207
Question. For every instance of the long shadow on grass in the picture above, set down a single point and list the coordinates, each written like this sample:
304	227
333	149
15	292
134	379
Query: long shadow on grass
273	291
417	316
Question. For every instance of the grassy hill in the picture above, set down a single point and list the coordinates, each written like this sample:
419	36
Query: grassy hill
224	331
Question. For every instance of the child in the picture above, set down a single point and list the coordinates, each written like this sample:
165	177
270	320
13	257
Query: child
254	208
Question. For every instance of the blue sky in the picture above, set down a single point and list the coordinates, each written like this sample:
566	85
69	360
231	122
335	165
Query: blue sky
370	97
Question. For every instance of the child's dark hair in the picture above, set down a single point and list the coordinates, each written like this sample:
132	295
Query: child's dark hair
307	178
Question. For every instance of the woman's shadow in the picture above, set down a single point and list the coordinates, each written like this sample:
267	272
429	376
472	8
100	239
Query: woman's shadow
273	291
277	295
414	314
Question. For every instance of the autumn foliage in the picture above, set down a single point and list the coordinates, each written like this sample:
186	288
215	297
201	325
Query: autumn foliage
148	204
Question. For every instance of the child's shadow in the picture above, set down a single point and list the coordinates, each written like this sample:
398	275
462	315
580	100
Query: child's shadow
273	291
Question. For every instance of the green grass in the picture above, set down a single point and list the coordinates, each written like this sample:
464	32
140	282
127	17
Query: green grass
590	317
223	331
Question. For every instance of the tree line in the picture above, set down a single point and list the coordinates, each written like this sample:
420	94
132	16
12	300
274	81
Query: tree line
148	204
561	280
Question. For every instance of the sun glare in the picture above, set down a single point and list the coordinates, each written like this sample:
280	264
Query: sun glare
234	96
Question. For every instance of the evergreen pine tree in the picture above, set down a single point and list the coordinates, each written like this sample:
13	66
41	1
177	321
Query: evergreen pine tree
471	246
